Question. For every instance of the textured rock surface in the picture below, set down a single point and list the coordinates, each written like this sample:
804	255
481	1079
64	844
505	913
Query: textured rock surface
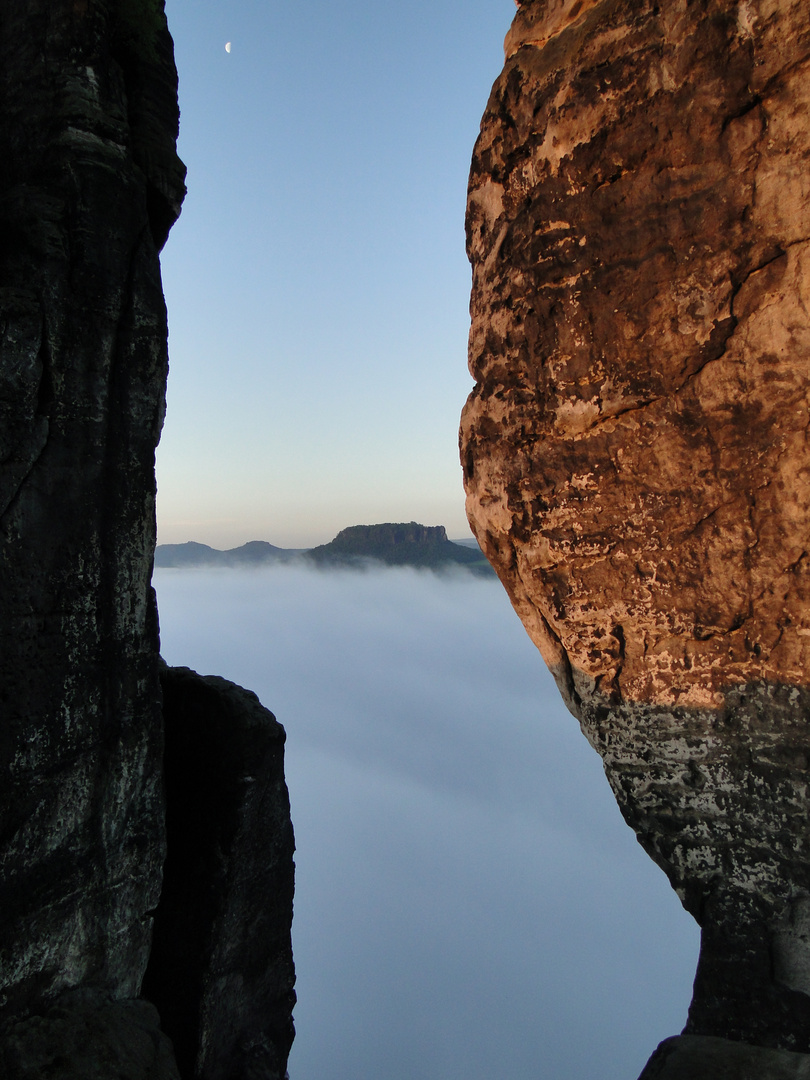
221	970
396	544
89	184
85	1036
635	448
701	1057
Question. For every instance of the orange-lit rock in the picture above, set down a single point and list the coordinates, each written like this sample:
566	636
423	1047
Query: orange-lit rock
635	449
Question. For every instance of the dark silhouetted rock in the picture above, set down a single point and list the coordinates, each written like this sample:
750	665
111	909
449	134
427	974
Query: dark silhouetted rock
702	1057
221	970
86	1036
254	553
407	544
189	554
635	449
89	185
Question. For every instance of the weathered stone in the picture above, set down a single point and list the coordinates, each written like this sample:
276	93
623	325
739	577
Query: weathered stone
635	449
221	970
702	1057
89	185
86	1036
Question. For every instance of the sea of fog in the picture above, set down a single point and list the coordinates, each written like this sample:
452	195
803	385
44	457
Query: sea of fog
469	903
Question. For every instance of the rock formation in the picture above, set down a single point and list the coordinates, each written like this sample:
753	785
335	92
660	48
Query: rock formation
220	970
359	546
635	448
397	544
90	185
88	1036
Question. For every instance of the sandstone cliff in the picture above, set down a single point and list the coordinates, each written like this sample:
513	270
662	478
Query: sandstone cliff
90	185
635	449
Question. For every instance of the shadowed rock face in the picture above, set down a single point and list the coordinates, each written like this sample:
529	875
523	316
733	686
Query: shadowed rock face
704	1057
635	449
89	185
86	1036
221	970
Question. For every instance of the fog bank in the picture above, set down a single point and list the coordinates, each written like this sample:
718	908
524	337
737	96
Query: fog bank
469	902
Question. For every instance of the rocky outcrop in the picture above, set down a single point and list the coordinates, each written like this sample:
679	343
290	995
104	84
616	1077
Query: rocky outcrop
396	544
87	1036
253	553
702	1057
90	185
221	970
635	449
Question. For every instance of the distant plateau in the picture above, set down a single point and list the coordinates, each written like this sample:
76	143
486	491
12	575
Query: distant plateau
401	544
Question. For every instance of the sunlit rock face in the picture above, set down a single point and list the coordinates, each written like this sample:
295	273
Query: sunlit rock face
635	449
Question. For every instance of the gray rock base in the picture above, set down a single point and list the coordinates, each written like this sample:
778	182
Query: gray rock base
86	1036
703	1057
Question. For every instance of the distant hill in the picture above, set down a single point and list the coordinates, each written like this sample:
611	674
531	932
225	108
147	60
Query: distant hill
394	544
254	553
402	544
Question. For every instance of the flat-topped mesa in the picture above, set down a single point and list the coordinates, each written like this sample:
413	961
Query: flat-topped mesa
396	544
635	449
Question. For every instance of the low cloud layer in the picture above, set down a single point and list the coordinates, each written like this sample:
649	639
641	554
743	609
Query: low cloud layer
469	902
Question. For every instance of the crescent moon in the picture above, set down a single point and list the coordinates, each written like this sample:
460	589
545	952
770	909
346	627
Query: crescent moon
227	46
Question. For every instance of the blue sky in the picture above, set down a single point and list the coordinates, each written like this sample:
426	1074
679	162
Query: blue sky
316	281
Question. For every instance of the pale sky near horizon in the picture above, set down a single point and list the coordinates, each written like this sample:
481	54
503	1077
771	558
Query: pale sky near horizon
317	282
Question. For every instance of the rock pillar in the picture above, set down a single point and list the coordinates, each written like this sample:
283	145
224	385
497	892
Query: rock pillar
89	186
635	450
